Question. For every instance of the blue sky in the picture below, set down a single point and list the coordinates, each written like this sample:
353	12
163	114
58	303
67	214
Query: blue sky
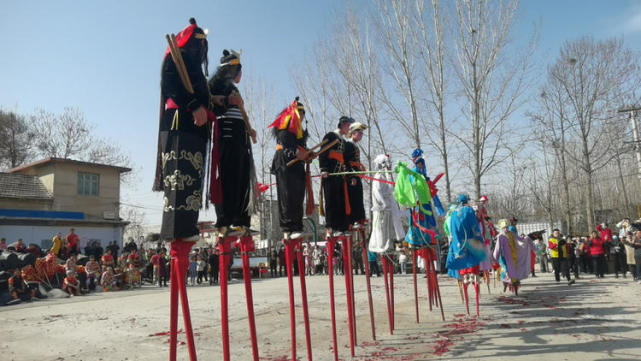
104	57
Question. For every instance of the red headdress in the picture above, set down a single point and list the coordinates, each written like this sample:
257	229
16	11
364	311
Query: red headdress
290	119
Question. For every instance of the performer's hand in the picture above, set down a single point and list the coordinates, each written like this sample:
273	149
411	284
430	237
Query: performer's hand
200	116
235	99
219	100
301	154
252	134
353	182
324	174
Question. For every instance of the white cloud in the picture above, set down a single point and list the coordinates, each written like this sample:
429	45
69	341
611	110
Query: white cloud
632	20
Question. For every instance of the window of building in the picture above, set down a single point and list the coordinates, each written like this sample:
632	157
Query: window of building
88	184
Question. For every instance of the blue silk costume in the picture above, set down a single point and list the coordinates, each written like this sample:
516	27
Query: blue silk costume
466	249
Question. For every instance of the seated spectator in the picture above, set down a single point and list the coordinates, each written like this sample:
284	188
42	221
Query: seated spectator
107	259
108	279
71	284
71	263
18	288
3	244
93	272
20	247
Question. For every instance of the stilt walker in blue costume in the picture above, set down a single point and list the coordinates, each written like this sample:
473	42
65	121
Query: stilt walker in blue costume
467	250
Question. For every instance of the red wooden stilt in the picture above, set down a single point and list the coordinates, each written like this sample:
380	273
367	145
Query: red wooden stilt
303	291
387	296
350	259
247	244
331	243
369	287
467	302
391	285
428	278
476	290
438	294
348	293
180	258
173	312
225	250
414	258
289	256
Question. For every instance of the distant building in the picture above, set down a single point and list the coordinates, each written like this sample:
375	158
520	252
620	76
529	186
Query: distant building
52	195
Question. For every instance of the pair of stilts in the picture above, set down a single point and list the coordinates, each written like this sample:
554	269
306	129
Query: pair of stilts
346	241
179	265
475	279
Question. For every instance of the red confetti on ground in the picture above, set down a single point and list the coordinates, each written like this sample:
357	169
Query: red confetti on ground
523	329
442	346
520	322
512	301
164	333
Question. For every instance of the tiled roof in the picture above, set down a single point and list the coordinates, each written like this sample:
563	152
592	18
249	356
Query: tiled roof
22	186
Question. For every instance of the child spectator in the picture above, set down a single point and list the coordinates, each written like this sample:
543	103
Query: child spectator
18	288
107	280
200	268
93	272
108	259
193	269
162	268
71	284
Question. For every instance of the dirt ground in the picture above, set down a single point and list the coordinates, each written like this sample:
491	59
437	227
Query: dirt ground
591	320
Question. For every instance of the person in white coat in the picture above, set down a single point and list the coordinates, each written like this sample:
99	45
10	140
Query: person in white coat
386	218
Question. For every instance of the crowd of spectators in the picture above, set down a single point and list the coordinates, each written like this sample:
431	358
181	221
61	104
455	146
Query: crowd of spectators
599	253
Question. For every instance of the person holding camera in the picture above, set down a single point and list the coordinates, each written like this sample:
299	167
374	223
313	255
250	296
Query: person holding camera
559	254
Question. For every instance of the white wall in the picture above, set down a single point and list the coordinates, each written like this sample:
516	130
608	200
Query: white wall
35	234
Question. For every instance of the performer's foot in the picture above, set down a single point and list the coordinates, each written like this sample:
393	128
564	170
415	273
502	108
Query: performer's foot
296	235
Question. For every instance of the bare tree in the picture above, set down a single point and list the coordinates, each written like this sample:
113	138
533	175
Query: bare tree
396	28
431	39
592	75
491	80
61	135
15	139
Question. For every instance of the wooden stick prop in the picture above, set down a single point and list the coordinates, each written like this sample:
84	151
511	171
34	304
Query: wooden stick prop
176	56
310	152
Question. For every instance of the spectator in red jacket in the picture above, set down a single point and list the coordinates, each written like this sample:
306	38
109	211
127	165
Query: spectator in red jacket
606	233
72	242
597	251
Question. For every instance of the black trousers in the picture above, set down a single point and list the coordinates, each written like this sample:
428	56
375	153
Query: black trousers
356	200
619	263
573	265
599	265
290	187
336	217
235	163
560	266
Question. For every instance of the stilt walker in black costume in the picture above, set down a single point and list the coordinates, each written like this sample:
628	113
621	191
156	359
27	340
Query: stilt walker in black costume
231	186
291	167
235	158
182	145
337	216
358	218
